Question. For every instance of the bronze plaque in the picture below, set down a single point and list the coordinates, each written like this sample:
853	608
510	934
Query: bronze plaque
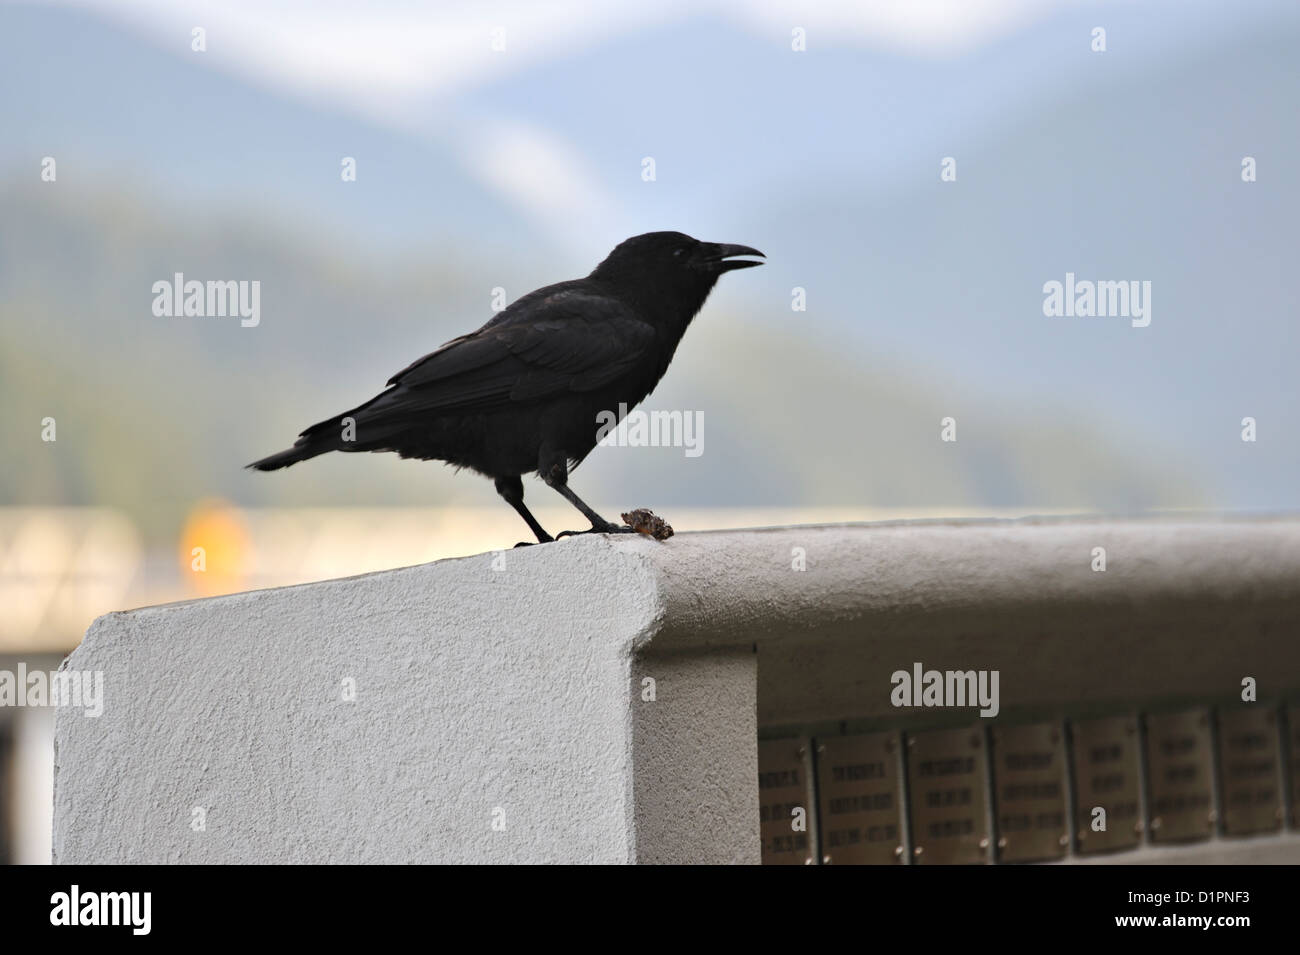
946	775
1250	781
1106	776
1179	765
860	821
785	809
1293	750
1029	792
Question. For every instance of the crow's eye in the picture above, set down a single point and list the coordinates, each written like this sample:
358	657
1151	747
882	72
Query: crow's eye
678	253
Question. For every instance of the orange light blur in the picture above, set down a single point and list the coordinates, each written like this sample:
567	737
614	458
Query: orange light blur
215	548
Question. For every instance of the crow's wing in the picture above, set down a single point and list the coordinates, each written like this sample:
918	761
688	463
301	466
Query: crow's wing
564	342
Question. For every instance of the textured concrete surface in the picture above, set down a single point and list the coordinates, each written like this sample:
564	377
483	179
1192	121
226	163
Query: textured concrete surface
482	696
1185	608
696	757
514	695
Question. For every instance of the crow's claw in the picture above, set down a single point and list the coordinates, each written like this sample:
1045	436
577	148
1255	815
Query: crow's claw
607	529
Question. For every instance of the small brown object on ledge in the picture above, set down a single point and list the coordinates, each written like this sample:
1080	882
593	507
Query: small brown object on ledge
643	521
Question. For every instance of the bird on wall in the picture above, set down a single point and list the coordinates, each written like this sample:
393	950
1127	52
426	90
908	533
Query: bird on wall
524	392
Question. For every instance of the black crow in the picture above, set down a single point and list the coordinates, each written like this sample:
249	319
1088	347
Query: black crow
523	392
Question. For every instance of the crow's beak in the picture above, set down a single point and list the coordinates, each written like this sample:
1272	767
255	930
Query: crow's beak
717	254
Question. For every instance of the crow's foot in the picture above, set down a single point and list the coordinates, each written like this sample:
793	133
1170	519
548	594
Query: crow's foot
548	540
602	529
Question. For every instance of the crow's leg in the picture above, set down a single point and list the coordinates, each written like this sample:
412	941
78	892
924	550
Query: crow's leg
512	489
555	472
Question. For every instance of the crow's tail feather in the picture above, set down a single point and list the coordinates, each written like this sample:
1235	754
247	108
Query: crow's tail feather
299	452
317	439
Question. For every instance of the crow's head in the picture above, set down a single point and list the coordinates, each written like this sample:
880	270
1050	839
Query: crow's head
669	273
674	255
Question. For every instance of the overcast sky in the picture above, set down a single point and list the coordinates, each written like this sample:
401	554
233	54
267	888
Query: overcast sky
382	52
392	62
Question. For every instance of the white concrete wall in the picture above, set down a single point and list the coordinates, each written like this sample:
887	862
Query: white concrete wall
519	688
477	690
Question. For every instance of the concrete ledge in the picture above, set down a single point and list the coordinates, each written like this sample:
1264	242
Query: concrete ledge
481	696
501	710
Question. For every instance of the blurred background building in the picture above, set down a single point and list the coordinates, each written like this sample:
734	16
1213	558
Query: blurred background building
503	146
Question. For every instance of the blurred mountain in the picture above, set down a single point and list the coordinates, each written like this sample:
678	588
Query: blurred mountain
154	414
110	106
1121	180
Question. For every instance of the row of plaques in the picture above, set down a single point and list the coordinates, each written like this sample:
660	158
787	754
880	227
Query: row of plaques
963	796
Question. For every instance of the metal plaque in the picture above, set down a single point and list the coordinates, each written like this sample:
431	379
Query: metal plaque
1029	792
1106	776
1293	750
785	807
1250	782
946	776
860	820
1179	765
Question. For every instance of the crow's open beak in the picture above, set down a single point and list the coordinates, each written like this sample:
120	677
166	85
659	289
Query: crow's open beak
718	257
